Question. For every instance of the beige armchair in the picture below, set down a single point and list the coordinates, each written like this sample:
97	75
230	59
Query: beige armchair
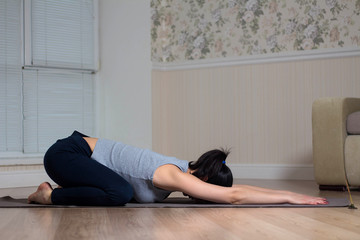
336	153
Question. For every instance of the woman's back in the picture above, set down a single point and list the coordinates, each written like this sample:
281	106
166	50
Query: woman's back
135	165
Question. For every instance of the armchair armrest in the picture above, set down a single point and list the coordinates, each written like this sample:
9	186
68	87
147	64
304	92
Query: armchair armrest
329	134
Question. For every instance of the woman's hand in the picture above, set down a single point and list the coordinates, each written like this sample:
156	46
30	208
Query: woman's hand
295	198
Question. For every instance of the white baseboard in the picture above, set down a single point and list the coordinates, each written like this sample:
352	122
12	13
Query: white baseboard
241	171
27	178
272	171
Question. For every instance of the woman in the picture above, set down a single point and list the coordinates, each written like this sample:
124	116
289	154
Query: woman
100	172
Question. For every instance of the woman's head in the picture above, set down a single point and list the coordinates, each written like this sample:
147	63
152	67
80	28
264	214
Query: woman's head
211	168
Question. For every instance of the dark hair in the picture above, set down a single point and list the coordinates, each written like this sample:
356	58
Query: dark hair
211	166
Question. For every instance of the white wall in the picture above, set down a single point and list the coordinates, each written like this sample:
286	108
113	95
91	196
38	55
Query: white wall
124	79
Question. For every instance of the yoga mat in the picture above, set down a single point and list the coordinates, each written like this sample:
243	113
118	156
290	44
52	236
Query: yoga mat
9	202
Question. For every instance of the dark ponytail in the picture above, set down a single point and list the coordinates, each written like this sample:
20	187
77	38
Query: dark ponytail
211	167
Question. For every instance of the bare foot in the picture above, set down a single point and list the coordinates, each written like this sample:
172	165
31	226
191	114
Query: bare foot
42	194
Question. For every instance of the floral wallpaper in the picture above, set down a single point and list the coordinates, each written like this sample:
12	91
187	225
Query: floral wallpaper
200	29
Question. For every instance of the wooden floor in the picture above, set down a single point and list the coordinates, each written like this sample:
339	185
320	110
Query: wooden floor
186	223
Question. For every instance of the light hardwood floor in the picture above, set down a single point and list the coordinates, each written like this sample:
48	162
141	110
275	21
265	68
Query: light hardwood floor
186	223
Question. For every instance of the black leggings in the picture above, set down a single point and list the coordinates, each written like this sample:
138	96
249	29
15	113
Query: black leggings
84	181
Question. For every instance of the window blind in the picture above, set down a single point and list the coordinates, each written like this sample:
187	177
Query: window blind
62	33
55	104
10	76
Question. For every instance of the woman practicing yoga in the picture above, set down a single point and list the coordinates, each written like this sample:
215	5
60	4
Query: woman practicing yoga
100	172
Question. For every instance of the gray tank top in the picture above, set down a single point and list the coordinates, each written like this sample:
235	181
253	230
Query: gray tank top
137	166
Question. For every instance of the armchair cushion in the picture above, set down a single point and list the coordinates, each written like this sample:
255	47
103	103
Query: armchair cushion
352	161
353	123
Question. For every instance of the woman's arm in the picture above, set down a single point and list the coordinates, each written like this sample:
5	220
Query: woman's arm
264	195
170	177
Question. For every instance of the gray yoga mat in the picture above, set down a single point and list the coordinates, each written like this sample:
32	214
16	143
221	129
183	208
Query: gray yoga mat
9	202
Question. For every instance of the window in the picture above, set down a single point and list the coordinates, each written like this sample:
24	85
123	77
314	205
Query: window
46	74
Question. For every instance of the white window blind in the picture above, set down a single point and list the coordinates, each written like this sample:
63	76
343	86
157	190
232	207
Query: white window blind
62	34
55	104
10	76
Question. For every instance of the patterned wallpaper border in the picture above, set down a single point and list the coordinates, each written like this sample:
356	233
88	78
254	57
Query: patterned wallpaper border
187	30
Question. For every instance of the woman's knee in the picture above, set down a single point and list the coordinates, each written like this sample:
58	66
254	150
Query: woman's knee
120	195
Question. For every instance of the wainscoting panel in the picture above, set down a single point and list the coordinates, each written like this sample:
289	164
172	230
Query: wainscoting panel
262	112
